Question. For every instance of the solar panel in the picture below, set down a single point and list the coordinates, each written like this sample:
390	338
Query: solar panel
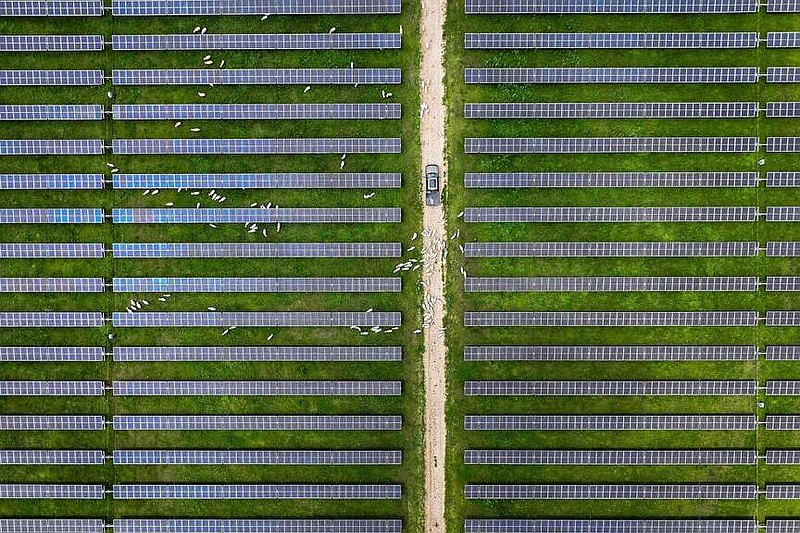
256	353
782	526
611	422
611	249
51	216
783	144
783	39
783	214
19	78
612	284
52	353
613	75
501	180
612	110
783	75
255	146
17	285
51	320
259	41
611	388
275	525
611	318
612	492
260	492
254	319
611	353
228	285
262	76
783	457
610	214
783	388
783	110
51	492
609	145
51	8
783	353
257	422
783	6
783	283
783	179
51	112
51	147
783	249
51	525
255	111
782	422
255	388
475	7
259	250
296	215
51	423
253	7
258	457
51	181
783	318
610	457
276	180
783	492
52	388
51	457
27	250
507	525
494	41
50	43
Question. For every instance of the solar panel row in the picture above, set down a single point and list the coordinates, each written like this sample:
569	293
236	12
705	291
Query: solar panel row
783	179
51	147
50	181
255	388
612	492
253	111
228	285
51	112
611	388
510	525
17	285
253	319
259	250
783	6
494	41
296	215
610	214
52	388
52	353
51	492
51	216
17	78
615	284
614	249
611	353
50	525
252	146
259	41
275	180
783	353
617	145
258	457
612	422
486	180
130	8
256	422
615	318
782	457
782	422
475	7
275	525
26	250
50	43
613	110
256	353
624	75
52	457
783	283
51	423
610	457
51	8
247	492
271	76
51	320
783	249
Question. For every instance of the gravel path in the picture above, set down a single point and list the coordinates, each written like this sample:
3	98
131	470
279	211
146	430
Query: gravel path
434	253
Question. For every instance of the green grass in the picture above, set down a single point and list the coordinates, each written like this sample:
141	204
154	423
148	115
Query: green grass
458	197
409	371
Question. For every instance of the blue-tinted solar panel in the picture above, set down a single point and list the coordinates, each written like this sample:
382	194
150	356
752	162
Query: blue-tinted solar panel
500	180
51	320
258	492
253	7
255	388
254	111
510	525
262	41
51	216
475	7
50	181
18	78
616	75
363	145
494	41
298	215
613	145
51	112
51	457
255	319
51	353
276	525
255	353
609	214
24	250
50	43
611	318
277	180
612	110
51	8
51	147
51	492
258	250
51	423
74	285
286	76
229	285
257	457
51	525
255	422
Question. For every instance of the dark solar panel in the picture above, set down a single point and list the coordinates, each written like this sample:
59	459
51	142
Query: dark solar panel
257	250
488	180
612	110
613	249
286	76
253	7
614	318
494	41
475	7
614	145
256	353
254	111
616	75
609	214
262	41
363	145
276	180
611	353
50	43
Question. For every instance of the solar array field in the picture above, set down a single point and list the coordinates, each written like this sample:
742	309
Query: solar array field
622	196
209	267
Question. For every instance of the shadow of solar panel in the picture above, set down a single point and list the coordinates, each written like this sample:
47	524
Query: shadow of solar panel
611	422
499	180
18	78
263	41
277	525
51	423
254	7
612	492
228	285
495	41
616	75
254	319
52	457
51	320
51	112
613	145
277	180
612	110
51	492
612	284
72	285
610	214
284	76
615	318
255	111
51	8
610	457
610	388
475	7
256	422
611	249
609	526
258	457
50	181
52	353
611	353
215	250
51	525
52	388
256	353
260	492
298	215
51	216
255	388
253	146
51	147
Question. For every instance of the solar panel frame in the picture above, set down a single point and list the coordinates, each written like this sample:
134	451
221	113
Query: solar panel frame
783	249
782	491
783	179
286	215
783	283
51	216
51	147
28	250
612	353
275	180
51	8
783	75
52	353
51	320
51	491
568	525
273	525
257	353
51	457
626	75
611	214
610	110
51	423
611	457
51	388
51	182
258	457
612	492
476	7
613	318
261	492
275	76
782	457
356	145
781	526
51	43
255	319
615	145
263	41
32	112
783	6
612	388
120	8
239	285
257	422
343	111
613	249
49	525
611	422
783	353
50	285
258	250
20	78
487	180
708	40
614	284
256	388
